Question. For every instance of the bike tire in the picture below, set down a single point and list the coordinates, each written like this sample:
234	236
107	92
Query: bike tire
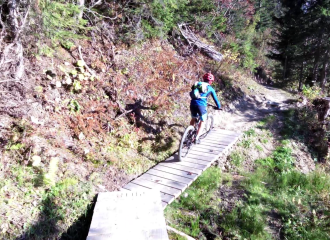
186	141
208	126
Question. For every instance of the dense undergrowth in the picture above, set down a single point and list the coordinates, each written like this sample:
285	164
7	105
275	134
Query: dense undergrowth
276	201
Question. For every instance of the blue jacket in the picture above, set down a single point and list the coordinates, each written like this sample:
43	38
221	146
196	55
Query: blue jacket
203	101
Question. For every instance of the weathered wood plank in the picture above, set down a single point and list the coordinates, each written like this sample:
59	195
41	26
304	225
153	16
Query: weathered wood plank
220	142
180	167
182	173
222	139
155	186
205	153
207	149
175	158
111	218
226	131
192	165
133	187
196	161
164	181
170	176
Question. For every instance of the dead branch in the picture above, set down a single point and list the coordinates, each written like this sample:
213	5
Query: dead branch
82	59
124	113
193	40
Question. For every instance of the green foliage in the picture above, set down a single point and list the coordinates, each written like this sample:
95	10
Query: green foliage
74	106
49	177
250	133
236	158
311	92
16	146
60	21
198	198
77	87
45	50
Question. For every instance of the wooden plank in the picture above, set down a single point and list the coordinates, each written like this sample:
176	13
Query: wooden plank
212	158
220	138
182	173
205	152
196	161
175	158
225	131
199	157
162	188
213	143
201	149
204	146
218	141
164	204
192	165
170	176
134	187
141	211
164	181
180	167
222	135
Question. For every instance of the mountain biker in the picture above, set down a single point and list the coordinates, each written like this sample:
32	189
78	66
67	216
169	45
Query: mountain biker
198	107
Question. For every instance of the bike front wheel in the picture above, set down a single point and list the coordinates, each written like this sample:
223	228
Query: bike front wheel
186	141
208	126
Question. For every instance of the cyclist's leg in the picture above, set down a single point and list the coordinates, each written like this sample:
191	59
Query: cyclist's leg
194	114
203	117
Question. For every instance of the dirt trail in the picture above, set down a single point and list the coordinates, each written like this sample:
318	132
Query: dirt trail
248	111
244	113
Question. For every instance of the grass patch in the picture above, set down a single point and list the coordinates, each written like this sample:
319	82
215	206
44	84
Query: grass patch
278	202
189	214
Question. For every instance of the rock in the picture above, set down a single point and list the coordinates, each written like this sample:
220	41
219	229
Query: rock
81	136
58	84
36	121
68	81
101	187
66	63
272	104
257	99
36	161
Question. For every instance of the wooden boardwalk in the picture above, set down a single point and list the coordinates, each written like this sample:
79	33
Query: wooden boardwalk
128	215
171	177
136	212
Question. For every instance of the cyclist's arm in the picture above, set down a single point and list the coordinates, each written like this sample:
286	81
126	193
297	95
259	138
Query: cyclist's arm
215	98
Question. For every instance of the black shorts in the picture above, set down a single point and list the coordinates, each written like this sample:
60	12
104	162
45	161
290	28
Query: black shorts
198	112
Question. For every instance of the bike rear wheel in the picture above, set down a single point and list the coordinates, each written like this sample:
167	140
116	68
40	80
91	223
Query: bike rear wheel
186	141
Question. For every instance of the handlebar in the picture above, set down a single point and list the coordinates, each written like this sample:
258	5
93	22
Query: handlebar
214	107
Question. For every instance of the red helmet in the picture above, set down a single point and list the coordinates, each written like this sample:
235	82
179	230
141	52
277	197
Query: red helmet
208	77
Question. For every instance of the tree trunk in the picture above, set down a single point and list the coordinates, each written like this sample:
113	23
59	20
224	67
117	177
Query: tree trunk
284	70
301	77
324	75
81	4
13	15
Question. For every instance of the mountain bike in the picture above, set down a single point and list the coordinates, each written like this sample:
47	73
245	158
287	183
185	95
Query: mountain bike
189	135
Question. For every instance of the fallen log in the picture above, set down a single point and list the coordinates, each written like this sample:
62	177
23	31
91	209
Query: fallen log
193	40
